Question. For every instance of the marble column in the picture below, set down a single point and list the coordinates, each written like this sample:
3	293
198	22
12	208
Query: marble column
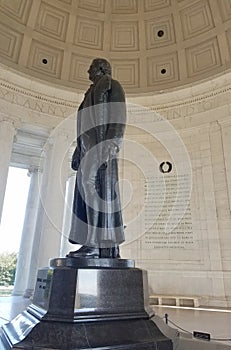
7	132
226	144
24	255
52	182
65	245
215	205
225	205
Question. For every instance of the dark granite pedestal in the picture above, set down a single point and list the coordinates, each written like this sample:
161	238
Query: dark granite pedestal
87	304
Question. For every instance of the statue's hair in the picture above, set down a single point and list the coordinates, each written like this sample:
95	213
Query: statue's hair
103	65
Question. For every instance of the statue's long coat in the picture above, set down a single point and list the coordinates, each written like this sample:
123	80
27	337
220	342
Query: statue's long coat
100	127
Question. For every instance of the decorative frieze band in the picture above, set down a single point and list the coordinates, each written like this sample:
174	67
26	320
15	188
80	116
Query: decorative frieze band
63	108
36	101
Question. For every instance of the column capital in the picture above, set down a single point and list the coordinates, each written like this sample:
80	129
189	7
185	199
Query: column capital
33	170
224	123
15	122
215	126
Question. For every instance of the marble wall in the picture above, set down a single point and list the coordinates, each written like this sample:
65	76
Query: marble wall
177	207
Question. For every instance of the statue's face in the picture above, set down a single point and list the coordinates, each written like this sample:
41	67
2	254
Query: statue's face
94	71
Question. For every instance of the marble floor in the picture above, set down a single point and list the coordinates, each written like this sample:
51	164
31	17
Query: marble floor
11	306
216	322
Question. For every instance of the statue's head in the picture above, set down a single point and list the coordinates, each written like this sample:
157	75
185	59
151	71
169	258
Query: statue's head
98	68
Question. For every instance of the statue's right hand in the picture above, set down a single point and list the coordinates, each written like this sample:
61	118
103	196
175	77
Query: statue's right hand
75	160
74	164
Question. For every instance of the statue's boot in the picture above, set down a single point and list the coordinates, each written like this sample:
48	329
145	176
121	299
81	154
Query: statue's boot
85	252
90	252
112	252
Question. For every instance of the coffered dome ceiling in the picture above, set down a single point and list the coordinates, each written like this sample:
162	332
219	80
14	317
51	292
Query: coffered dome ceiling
153	45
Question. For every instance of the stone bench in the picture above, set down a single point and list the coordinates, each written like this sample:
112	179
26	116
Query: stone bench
175	300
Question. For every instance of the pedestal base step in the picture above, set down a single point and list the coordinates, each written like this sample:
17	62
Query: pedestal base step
82	304
114	335
102	263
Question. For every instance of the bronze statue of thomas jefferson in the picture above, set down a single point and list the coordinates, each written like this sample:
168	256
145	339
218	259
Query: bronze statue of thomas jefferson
97	219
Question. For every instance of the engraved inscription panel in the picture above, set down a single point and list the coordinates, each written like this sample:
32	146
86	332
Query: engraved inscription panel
168	218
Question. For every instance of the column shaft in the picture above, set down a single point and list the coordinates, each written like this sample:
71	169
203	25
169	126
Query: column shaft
48	230
7	132
24	256
65	245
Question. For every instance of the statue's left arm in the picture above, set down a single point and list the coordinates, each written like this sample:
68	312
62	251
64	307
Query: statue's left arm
117	116
110	99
